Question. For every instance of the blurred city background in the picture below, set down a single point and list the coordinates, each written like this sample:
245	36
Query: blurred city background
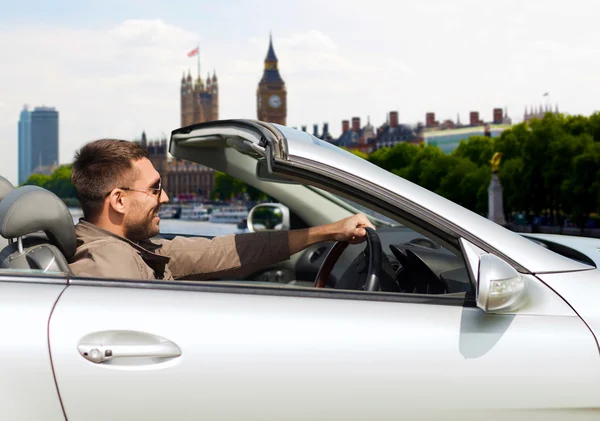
429	90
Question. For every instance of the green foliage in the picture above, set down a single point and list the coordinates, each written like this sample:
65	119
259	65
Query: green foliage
512	179
227	187
58	183
414	170
478	149
550	165
358	153
397	157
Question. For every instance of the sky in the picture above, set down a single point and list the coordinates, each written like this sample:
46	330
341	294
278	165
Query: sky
113	68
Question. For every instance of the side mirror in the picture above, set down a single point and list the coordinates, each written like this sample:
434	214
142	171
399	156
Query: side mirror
269	216
499	286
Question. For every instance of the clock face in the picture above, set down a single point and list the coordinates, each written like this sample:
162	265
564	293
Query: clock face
275	101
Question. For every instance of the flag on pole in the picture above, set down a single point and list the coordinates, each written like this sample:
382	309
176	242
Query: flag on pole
193	52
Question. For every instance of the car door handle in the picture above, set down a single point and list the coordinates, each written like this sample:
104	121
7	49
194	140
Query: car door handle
97	353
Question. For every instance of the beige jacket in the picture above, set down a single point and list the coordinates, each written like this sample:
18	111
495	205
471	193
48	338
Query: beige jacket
103	254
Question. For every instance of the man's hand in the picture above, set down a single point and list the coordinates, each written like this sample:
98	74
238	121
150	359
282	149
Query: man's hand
351	229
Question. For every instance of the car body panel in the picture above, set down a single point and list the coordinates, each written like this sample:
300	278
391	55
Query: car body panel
27	387
582	292
270	357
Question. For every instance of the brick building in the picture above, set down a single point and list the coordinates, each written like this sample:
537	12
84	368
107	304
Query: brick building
179	177
366	139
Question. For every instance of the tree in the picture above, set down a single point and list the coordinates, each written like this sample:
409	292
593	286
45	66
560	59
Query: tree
59	182
512	179
425	154
226	187
397	157
582	187
478	149
358	153
40	180
594	126
510	142
465	183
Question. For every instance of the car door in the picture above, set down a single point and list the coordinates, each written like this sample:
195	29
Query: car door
27	387
225	351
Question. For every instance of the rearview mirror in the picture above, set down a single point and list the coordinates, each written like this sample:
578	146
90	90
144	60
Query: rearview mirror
499	286
269	216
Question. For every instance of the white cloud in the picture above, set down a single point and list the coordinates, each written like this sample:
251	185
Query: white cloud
114	82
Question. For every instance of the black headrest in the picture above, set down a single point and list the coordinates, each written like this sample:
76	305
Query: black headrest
31	209
5	187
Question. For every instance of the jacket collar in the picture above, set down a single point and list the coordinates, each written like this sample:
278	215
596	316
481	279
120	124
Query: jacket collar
86	230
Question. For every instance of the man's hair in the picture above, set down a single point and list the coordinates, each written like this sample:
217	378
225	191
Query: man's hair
101	166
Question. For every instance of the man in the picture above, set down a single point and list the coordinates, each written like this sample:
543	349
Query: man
121	192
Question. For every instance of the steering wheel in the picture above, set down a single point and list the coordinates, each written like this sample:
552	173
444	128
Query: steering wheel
374	253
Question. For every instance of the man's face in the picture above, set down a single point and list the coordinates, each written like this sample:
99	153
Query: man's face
144	200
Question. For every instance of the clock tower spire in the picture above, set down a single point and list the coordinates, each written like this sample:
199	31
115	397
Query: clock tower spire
271	96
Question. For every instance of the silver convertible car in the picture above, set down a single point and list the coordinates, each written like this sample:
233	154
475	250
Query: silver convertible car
441	314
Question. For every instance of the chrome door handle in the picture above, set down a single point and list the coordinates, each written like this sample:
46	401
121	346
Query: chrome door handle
97	353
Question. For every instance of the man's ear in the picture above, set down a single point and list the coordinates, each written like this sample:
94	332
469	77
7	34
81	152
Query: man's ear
117	201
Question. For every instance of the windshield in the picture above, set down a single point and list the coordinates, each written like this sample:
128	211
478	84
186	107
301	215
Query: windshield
375	217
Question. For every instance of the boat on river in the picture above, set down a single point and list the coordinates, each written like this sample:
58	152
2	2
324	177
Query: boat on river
229	214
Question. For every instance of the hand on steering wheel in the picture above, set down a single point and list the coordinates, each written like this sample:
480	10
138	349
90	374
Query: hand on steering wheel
373	251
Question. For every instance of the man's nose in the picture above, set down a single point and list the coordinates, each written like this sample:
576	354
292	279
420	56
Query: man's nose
163	196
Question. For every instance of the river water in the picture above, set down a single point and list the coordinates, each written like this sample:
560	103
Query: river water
179	226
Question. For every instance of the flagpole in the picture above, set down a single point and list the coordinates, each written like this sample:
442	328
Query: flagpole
199	61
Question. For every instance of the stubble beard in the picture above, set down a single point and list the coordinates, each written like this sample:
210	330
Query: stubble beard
142	227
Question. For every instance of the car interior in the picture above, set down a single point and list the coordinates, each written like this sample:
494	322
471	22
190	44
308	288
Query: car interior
41	238
413	261
402	256
410	262
39	231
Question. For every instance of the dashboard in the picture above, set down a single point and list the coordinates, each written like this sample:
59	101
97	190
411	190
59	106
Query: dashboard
411	263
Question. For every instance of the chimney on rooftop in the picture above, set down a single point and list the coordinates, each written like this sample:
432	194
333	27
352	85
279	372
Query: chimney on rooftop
345	126
356	124
393	118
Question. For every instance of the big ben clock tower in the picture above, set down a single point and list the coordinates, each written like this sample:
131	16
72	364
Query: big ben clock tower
271	97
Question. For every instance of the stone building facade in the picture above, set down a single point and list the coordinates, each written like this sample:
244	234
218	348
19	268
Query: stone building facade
199	99
181	179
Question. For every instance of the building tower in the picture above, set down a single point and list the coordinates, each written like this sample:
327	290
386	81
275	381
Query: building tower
199	101
271	96
25	167
44	138
215	96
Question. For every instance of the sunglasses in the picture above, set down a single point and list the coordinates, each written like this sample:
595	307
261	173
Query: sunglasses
155	191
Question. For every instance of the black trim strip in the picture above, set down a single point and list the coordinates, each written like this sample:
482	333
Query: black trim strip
279	290
29	279
50	352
